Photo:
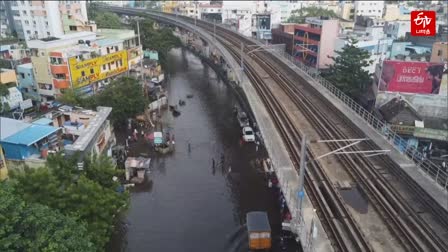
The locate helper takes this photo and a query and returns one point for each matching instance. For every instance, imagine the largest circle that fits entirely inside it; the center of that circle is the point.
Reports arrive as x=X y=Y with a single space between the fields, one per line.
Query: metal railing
x=434 y=171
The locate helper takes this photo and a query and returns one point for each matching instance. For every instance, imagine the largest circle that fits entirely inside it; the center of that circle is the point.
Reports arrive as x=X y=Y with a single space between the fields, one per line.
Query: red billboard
x=411 y=77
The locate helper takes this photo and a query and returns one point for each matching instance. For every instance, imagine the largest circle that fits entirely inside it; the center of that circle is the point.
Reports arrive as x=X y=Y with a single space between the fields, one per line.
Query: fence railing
x=433 y=170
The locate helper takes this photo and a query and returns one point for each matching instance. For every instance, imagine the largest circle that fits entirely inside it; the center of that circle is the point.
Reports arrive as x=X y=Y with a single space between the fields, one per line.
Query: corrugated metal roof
x=9 y=127
x=30 y=134
x=43 y=121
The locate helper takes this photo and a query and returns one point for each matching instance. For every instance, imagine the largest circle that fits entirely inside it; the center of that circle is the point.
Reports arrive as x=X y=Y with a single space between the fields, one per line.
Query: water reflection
x=191 y=204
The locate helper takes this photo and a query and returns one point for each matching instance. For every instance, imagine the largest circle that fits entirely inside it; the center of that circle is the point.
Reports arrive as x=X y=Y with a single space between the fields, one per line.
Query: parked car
x=248 y=134
x=243 y=120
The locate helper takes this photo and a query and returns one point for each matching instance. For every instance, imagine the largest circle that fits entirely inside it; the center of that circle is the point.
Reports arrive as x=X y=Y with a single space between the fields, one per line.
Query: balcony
x=59 y=69
x=47 y=92
x=61 y=83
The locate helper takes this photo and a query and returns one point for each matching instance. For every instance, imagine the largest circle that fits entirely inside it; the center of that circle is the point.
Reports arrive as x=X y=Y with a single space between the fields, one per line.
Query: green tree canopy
x=28 y=226
x=347 y=71
x=102 y=18
x=161 y=40
x=125 y=96
x=299 y=15
x=79 y=194
x=4 y=91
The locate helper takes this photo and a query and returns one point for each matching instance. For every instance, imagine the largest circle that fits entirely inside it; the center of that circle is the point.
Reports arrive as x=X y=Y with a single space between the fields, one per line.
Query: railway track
x=408 y=227
x=413 y=233
x=338 y=222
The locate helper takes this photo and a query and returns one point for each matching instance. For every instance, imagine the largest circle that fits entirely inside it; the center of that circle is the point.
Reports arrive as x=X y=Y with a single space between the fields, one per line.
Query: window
x=24 y=12
x=92 y=71
x=22 y=75
x=28 y=32
x=72 y=28
x=116 y=64
x=108 y=50
x=34 y=22
x=32 y=13
x=104 y=67
x=35 y=32
x=116 y=48
x=439 y=52
x=60 y=76
x=46 y=23
x=83 y=73
x=27 y=22
x=48 y=34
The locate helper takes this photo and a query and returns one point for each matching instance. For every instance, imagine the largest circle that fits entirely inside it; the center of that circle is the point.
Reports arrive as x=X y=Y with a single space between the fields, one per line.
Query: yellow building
x=3 y=168
x=88 y=71
x=169 y=6
x=8 y=76
x=393 y=12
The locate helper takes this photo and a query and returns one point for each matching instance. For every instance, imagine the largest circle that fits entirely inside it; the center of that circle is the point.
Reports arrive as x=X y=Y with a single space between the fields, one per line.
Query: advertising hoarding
x=411 y=77
x=87 y=71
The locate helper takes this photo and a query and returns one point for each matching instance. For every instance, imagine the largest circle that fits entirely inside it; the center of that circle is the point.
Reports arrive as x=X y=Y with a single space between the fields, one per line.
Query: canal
x=189 y=206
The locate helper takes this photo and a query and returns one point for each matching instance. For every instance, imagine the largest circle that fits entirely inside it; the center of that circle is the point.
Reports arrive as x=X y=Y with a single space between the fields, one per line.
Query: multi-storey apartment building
x=85 y=61
x=42 y=19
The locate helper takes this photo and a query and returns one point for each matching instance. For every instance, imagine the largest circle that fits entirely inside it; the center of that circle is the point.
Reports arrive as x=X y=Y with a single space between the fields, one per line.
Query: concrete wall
x=7 y=76
x=439 y=52
x=330 y=31
x=27 y=84
x=429 y=106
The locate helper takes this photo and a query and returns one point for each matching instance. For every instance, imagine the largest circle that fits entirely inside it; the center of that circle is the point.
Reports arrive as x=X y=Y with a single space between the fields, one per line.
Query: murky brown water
x=190 y=206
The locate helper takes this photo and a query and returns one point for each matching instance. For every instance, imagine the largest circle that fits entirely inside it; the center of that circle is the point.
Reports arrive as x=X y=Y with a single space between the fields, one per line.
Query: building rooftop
x=43 y=121
x=116 y=33
x=10 y=126
x=64 y=40
x=27 y=66
x=88 y=133
x=31 y=134
x=19 y=132
x=107 y=42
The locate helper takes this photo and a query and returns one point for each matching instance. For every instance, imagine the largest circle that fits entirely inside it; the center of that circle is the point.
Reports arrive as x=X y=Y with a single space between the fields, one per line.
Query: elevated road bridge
x=405 y=196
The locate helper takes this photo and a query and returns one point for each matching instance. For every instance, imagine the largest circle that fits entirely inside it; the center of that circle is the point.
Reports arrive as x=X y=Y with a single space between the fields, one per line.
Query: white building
x=374 y=9
x=372 y=41
x=396 y=29
x=13 y=99
x=41 y=19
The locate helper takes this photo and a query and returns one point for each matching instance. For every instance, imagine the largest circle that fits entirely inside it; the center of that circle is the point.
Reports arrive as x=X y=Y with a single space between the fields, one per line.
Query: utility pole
x=214 y=28
x=141 y=60
x=242 y=56
x=301 y=193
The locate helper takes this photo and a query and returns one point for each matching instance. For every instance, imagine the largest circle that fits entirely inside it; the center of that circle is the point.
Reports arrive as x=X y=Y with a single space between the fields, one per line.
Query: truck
x=259 y=230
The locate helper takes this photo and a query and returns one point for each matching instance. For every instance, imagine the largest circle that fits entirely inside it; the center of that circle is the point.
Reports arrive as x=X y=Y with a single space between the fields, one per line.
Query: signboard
x=423 y=23
x=411 y=77
x=26 y=104
x=87 y=71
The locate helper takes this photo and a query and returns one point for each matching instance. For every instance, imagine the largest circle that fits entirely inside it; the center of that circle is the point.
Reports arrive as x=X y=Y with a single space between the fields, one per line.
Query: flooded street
x=190 y=206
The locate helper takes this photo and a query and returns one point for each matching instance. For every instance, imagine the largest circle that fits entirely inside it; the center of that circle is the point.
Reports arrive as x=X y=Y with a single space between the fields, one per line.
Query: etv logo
x=423 y=23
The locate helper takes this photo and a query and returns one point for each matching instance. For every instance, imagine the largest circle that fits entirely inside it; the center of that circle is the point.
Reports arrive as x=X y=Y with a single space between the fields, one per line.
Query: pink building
x=313 y=41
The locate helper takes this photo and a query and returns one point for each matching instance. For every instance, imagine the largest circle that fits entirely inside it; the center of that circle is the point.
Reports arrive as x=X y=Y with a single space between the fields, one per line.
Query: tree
x=299 y=15
x=125 y=96
x=34 y=227
x=162 y=40
x=61 y=186
x=347 y=72
x=103 y=19
x=4 y=91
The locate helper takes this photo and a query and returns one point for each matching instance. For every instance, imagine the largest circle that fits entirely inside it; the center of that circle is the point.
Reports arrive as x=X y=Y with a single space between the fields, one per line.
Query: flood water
x=190 y=206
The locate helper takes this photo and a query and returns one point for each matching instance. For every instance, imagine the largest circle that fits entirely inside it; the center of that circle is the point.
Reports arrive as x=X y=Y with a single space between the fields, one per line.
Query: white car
x=248 y=134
